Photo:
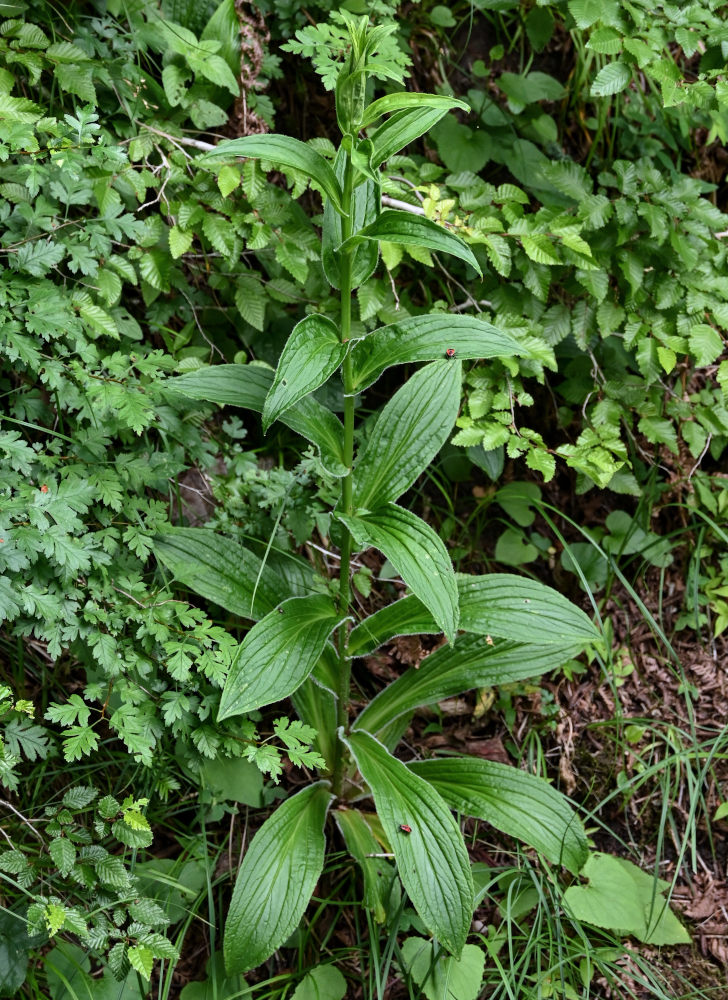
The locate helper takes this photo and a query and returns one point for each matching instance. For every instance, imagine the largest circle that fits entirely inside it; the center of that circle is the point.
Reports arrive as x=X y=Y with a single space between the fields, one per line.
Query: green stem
x=347 y=496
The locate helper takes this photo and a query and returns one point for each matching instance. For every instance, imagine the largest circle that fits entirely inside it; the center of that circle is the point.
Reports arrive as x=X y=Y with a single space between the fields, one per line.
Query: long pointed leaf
x=312 y=353
x=366 y=206
x=282 y=151
x=278 y=654
x=426 y=338
x=248 y=386
x=514 y=802
x=408 y=101
x=316 y=706
x=413 y=230
x=473 y=662
x=363 y=846
x=431 y=859
x=220 y=570
x=409 y=432
x=278 y=874
x=402 y=129
x=418 y=555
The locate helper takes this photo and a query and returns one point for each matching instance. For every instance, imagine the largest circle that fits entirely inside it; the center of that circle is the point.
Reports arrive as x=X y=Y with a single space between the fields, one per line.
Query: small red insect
x=44 y=488
x=450 y=352
x=405 y=829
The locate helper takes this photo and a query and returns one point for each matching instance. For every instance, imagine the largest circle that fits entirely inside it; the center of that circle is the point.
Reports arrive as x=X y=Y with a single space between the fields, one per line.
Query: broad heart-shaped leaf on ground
x=621 y=897
x=248 y=386
x=281 y=151
x=278 y=874
x=441 y=976
x=278 y=654
x=401 y=129
x=220 y=570
x=426 y=338
x=473 y=662
x=409 y=101
x=366 y=850
x=496 y=604
x=413 y=230
x=432 y=860
x=366 y=201
x=409 y=432
x=312 y=353
x=514 y=802
x=417 y=554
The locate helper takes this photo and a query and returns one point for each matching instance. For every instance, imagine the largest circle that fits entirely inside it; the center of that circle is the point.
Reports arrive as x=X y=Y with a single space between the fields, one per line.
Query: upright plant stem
x=347 y=486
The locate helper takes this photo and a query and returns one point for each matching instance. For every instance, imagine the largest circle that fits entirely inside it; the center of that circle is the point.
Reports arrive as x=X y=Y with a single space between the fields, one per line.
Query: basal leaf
x=409 y=432
x=413 y=230
x=248 y=386
x=366 y=851
x=426 y=338
x=400 y=130
x=366 y=206
x=431 y=857
x=282 y=151
x=514 y=802
x=312 y=353
x=417 y=553
x=412 y=101
x=472 y=663
x=278 y=654
x=220 y=570
x=276 y=879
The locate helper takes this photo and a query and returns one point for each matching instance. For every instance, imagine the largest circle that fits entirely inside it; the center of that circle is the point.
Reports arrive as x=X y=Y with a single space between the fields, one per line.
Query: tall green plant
x=497 y=629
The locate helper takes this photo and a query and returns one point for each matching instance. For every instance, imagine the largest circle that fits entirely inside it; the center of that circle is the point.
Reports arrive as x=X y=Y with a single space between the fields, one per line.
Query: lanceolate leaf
x=276 y=879
x=316 y=706
x=278 y=654
x=248 y=386
x=426 y=338
x=409 y=432
x=431 y=859
x=282 y=151
x=400 y=130
x=413 y=230
x=366 y=851
x=497 y=604
x=473 y=662
x=417 y=553
x=391 y=103
x=220 y=570
x=366 y=205
x=312 y=353
x=514 y=802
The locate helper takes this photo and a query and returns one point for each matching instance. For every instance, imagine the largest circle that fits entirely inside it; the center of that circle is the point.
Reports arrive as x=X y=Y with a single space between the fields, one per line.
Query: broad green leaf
x=312 y=353
x=497 y=604
x=418 y=555
x=441 y=976
x=325 y=982
x=611 y=79
x=282 y=151
x=706 y=344
x=220 y=570
x=366 y=851
x=474 y=662
x=426 y=338
x=276 y=879
x=400 y=130
x=63 y=854
x=365 y=209
x=413 y=230
x=514 y=802
x=409 y=432
x=391 y=103
x=278 y=654
x=248 y=386
x=621 y=897
x=432 y=861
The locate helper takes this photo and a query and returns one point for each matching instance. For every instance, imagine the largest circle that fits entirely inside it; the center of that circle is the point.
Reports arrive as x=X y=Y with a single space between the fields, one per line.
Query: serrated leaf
x=63 y=853
x=706 y=344
x=514 y=802
x=179 y=242
x=611 y=79
x=278 y=874
x=278 y=654
x=312 y=354
x=540 y=248
x=248 y=385
x=426 y=338
x=431 y=859
x=409 y=432
x=417 y=553
x=111 y=871
x=282 y=151
x=251 y=301
x=228 y=179
x=141 y=959
x=410 y=230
